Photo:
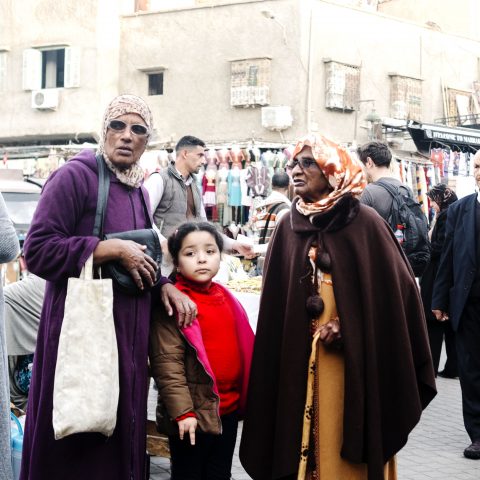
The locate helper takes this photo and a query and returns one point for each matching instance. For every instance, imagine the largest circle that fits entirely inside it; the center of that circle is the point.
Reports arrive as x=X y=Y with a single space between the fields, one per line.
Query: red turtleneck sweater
x=219 y=334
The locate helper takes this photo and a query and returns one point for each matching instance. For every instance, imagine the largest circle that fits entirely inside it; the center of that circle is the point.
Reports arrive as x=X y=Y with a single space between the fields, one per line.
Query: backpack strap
x=391 y=189
x=273 y=209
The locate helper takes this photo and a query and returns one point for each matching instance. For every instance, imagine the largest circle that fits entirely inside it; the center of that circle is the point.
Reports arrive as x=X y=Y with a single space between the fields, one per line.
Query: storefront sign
x=453 y=137
x=427 y=136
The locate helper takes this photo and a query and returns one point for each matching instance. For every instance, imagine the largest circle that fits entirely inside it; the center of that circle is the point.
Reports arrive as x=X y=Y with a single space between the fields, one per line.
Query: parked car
x=21 y=198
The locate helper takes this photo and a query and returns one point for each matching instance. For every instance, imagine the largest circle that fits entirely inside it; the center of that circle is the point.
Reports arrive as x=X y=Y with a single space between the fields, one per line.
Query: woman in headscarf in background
x=58 y=244
x=441 y=197
x=341 y=367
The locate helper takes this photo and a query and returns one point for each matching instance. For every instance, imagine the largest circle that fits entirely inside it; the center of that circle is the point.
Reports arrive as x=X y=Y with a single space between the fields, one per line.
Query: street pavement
x=434 y=450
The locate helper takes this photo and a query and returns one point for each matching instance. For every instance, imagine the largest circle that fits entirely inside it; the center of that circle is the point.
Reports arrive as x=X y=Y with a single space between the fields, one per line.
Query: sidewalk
x=434 y=450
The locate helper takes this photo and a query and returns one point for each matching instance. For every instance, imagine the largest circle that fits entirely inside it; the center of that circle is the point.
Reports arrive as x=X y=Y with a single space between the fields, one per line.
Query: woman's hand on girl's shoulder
x=188 y=425
x=175 y=300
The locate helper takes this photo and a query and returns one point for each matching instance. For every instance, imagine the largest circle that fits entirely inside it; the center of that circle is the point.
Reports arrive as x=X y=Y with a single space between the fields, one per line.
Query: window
x=461 y=106
x=250 y=82
x=342 y=86
x=405 y=98
x=155 y=83
x=3 y=71
x=51 y=68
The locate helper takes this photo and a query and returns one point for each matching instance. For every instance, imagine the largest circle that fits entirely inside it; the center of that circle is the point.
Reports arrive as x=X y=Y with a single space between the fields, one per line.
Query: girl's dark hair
x=176 y=239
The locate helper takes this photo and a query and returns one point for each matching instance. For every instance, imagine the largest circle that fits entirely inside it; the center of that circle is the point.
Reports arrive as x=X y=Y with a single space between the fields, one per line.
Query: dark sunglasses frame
x=135 y=128
x=304 y=163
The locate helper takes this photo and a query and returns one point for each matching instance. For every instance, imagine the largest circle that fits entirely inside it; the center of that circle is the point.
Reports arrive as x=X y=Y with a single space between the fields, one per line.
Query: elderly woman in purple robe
x=59 y=242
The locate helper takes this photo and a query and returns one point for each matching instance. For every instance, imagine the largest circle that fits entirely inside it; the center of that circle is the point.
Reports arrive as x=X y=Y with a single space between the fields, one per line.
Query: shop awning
x=430 y=135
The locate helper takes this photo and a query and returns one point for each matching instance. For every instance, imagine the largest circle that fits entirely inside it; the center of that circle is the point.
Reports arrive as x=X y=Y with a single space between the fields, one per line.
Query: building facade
x=262 y=71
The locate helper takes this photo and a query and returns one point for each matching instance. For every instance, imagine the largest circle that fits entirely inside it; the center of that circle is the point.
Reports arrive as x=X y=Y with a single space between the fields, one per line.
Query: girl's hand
x=188 y=425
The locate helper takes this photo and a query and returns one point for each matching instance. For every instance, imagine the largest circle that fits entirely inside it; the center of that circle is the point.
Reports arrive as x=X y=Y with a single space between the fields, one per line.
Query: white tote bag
x=85 y=392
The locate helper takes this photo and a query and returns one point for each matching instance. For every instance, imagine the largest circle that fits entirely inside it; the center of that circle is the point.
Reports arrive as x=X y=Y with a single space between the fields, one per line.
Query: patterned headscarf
x=119 y=106
x=442 y=195
x=343 y=173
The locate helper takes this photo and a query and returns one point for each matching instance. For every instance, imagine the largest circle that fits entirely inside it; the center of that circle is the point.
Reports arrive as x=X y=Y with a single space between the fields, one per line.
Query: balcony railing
x=469 y=121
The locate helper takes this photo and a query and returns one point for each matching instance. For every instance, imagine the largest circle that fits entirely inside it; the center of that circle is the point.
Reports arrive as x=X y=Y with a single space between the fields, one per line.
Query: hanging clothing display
x=234 y=189
x=209 y=190
x=258 y=179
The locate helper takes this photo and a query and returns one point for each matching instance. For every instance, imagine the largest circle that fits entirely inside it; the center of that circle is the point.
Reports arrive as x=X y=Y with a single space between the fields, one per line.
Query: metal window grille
x=250 y=82
x=405 y=98
x=342 y=86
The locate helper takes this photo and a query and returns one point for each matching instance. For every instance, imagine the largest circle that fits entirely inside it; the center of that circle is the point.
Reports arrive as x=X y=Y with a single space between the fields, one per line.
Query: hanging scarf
x=343 y=173
x=121 y=105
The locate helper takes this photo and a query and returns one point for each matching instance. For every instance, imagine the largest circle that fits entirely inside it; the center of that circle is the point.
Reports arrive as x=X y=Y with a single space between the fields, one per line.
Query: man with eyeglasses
x=175 y=197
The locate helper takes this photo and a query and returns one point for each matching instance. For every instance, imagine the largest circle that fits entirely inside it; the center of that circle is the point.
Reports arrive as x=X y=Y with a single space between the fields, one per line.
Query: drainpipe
x=310 y=72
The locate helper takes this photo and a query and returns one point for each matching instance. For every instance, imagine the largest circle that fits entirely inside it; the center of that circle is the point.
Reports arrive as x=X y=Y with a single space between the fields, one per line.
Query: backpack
x=407 y=212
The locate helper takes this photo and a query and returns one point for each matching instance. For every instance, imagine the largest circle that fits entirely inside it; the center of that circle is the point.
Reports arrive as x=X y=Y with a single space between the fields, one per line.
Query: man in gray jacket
x=175 y=197
x=376 y=158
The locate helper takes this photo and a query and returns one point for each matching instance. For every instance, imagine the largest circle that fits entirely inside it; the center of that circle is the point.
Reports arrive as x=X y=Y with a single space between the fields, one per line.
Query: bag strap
x=391 y=189
x=103 y=189
x=102 y=198
x=270 y=212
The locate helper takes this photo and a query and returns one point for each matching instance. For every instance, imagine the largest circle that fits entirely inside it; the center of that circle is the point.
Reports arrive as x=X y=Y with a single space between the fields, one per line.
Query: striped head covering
x=344 y=173
x=119 y=106
x=442 y=195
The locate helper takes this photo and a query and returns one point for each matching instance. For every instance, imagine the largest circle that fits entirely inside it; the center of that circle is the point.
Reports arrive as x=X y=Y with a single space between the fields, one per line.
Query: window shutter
x=3 y=71
x=32 y=69
x=72 y=67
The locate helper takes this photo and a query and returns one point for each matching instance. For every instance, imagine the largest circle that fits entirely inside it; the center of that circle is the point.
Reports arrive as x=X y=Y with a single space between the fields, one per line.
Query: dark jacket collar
x=334 y=219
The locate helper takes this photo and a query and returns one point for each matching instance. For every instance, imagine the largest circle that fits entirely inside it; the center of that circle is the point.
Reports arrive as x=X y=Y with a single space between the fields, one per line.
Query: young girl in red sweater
x=201 y=371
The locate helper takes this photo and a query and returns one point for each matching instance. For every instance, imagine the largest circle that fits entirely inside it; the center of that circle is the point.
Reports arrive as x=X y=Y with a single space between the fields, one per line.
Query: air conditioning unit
x=46 y=99
x=276 y=118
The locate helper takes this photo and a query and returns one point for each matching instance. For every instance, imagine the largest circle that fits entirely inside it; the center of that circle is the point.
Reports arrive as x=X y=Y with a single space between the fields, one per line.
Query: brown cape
x=389 y=376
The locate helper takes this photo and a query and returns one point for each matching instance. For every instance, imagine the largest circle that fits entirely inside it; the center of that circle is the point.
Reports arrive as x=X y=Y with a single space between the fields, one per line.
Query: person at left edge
x=9 y=248
x=58 y=244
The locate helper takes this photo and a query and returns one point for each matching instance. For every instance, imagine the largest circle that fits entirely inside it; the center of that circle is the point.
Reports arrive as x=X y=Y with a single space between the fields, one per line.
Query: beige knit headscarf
x=119 y=106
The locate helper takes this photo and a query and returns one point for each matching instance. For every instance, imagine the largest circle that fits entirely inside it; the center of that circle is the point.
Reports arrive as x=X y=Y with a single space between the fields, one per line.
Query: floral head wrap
x=442 y=195
x=119 y=106
x=343 y=173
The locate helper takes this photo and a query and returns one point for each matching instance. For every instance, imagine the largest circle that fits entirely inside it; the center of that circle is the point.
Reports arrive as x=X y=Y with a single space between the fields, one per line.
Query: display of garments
x=199 y=178
x=222 y=185
x=211 y=158
x=209 y=188
x=279 y=162
x=422 y=190
x=267 y=158
x=234 y=189
x=224 y=156
x=237 y=157
x=163 y=159
x=246 y=197
x=258 y=179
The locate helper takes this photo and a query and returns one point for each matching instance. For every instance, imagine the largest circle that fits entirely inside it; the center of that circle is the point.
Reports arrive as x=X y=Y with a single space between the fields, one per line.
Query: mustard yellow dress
x=323 y=418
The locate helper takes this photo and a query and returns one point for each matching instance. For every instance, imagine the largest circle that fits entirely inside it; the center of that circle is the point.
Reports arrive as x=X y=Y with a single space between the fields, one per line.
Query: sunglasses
x=305 y=163
x=136 y=129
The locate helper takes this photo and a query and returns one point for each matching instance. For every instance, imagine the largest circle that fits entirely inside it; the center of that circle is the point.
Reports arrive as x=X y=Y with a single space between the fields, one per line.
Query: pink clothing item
x=245 y=337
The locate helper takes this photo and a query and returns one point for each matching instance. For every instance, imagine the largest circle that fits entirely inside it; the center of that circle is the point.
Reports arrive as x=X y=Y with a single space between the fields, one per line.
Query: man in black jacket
x=456 y=295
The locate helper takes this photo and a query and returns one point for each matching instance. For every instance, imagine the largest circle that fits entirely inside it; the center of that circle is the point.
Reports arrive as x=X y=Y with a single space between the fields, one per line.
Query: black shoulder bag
x=148 y=236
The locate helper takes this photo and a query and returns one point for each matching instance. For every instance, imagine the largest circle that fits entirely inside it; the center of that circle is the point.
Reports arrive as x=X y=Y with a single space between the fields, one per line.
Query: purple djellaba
x=58 y=244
